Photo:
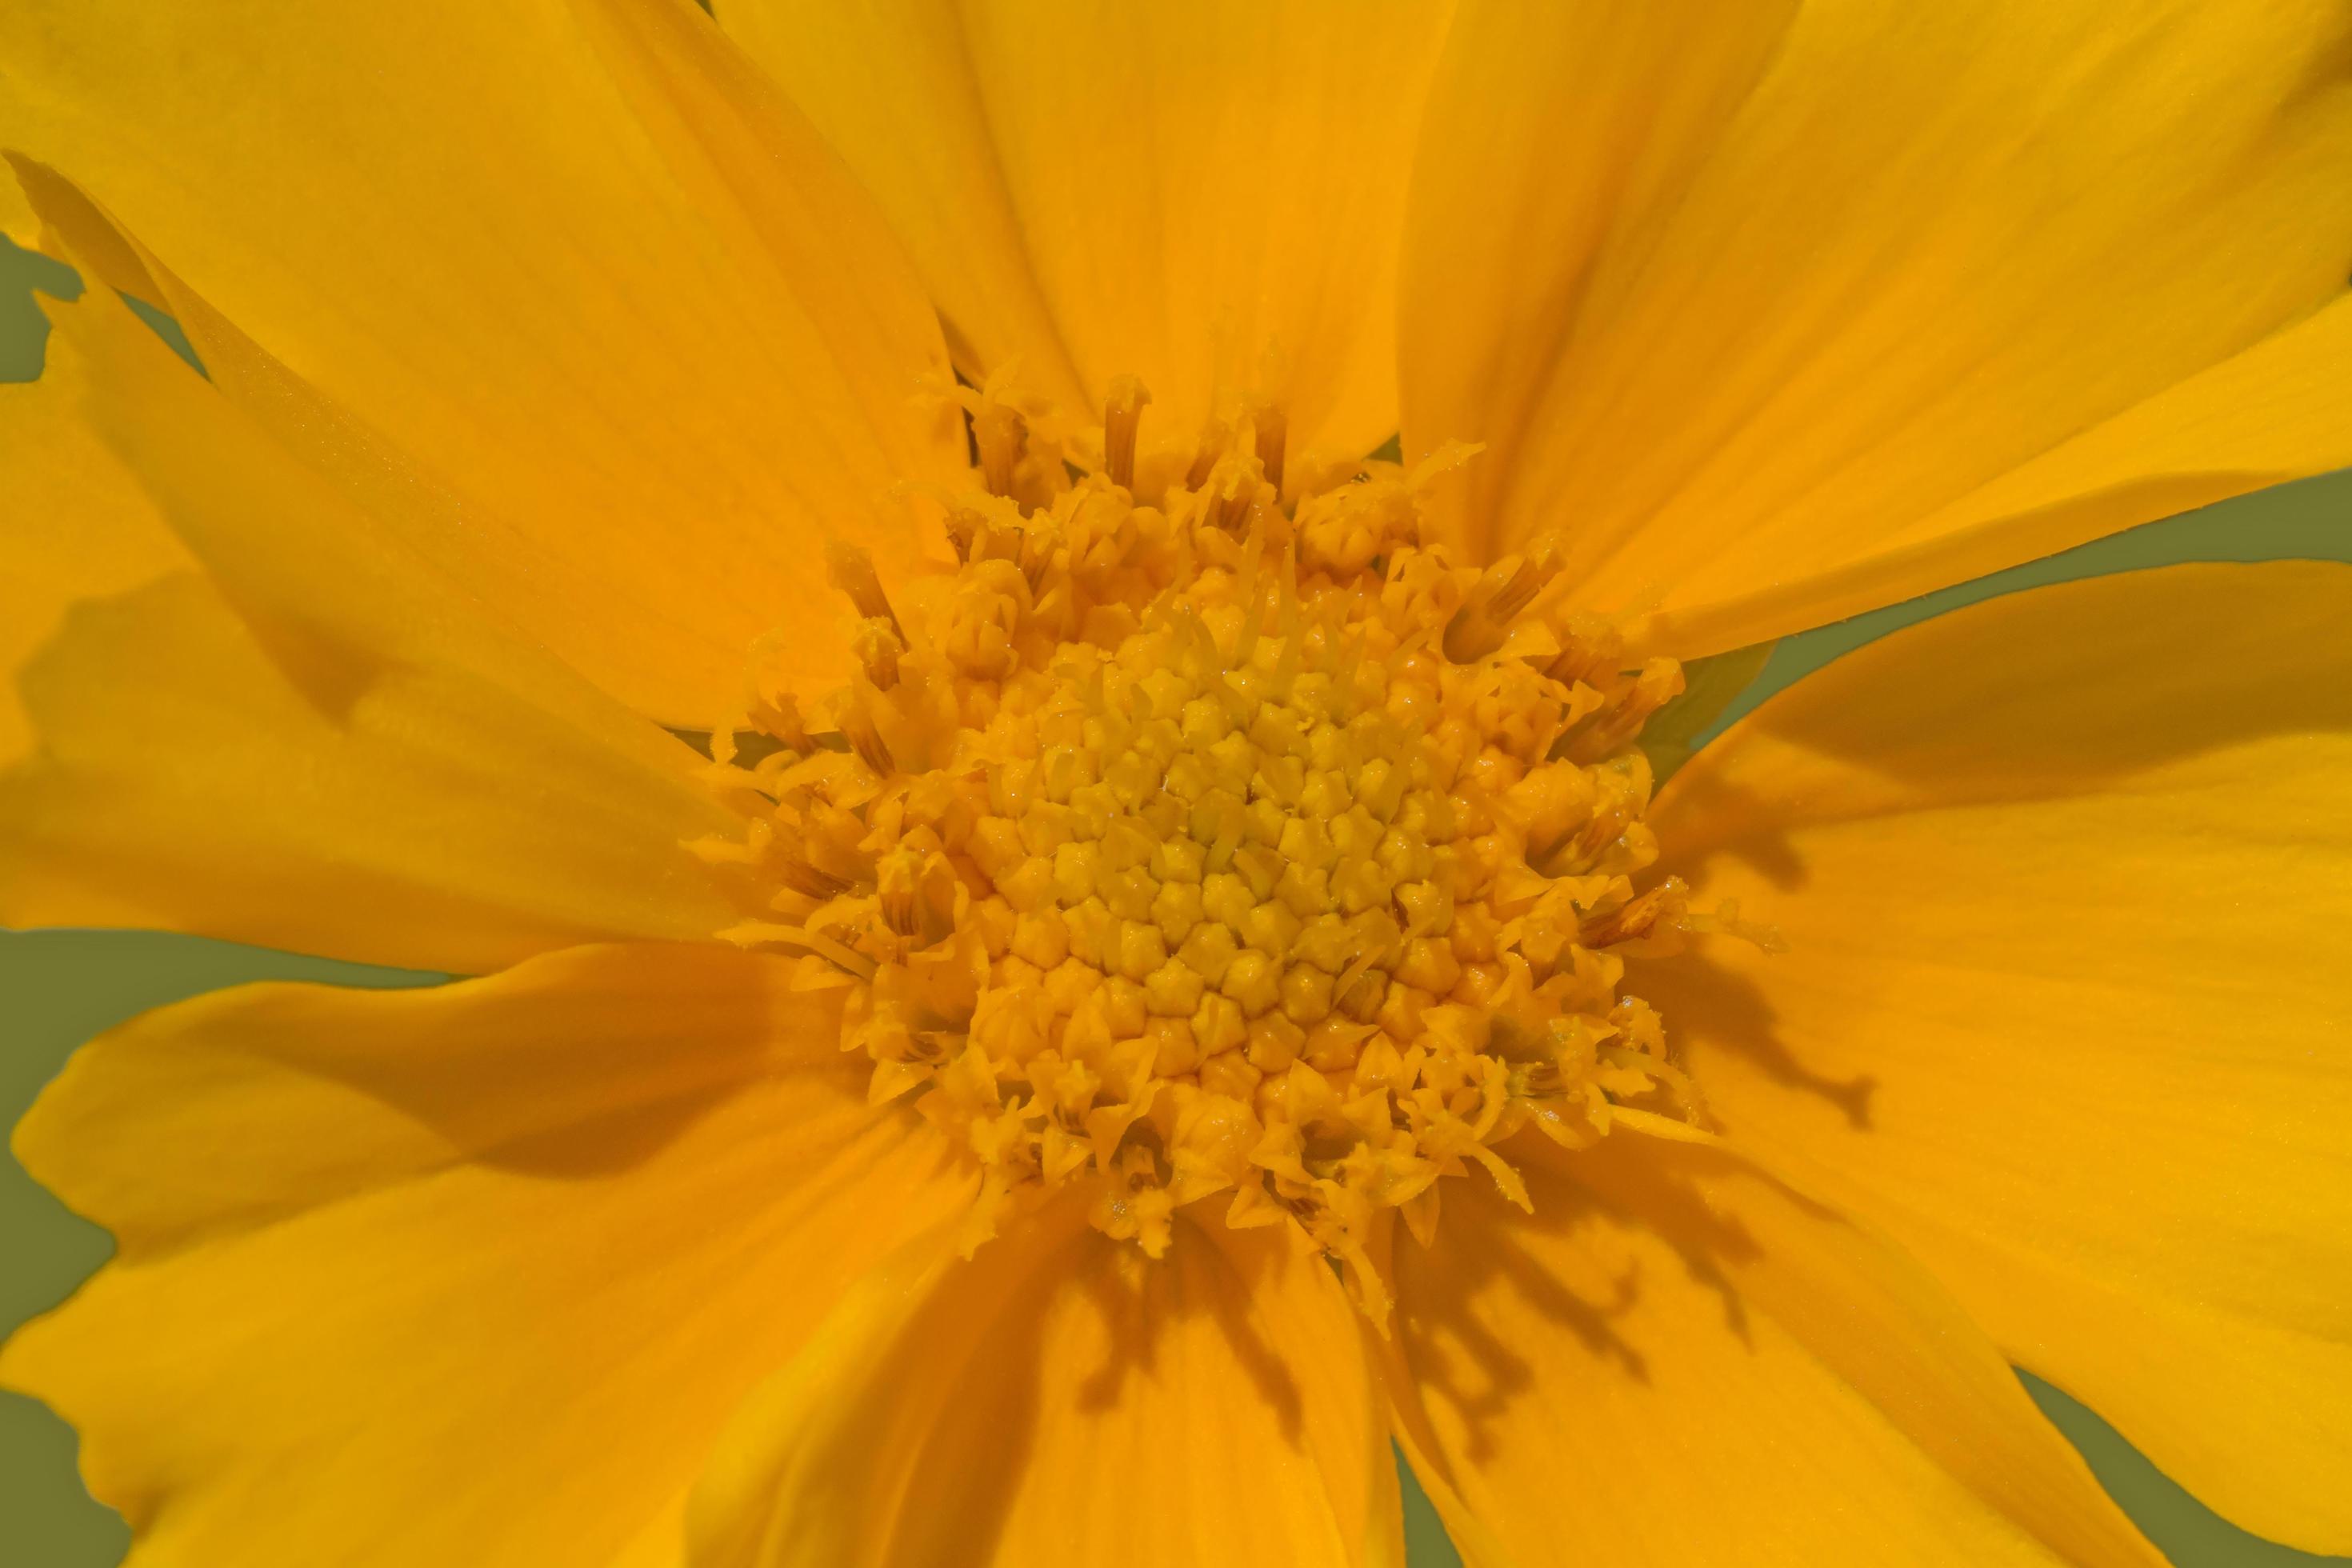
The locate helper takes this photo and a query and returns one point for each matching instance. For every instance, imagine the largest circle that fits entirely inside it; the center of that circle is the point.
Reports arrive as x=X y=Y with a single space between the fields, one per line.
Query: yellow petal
x=2064 y=877
x=1061 y=1399
x=316 y=746
x=1675 y=1358
x=468 y=1275
x=2269 y=414
x=891 y=86
x=1170 y=192
x=73 y=525
x=1747 y=297
x=596 y=275
x=17 y=217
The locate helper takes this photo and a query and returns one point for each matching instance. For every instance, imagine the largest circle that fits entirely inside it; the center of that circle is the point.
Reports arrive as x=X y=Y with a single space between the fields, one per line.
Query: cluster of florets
x=1226 y=847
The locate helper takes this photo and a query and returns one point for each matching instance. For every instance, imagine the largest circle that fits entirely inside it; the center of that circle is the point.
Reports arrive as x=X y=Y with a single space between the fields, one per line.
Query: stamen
x=878 y=644
x=965 y=526
x=760 y=933
x=793 y=868
x=1484 y=622
x=852 y=570
x=857 y=727
x=779 y=718
x=894 y=885
x=1639 y=918
x=1214 y=437
x=1000 y=433
x=1122 y=416
x=1273 y=428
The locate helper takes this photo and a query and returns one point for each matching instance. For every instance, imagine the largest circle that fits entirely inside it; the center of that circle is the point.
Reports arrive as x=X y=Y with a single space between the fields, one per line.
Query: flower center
x=1221 y=849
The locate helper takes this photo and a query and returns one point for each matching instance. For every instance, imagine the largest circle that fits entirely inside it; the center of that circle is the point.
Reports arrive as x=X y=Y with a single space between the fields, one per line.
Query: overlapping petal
x=1060 y=1399
x=2261 y=417
x=2063 y=878
x=1676 y=1359
x=576 y=255
x=1165 y=191
x=1745 y=297
x=472 y=1274
x=318 y=743
x=74 y=525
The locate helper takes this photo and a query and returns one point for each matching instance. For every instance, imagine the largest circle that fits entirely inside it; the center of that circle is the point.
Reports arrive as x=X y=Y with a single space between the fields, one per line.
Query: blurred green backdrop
x=58 y=988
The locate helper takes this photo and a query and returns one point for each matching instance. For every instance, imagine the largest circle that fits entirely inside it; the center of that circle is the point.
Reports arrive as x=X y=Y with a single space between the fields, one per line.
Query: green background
x=58 y=988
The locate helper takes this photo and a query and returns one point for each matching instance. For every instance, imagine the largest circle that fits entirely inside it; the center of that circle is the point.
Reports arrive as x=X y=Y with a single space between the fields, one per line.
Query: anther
x=935 y=902
x=1272 y=427
x=1532 y=575
x=964 y=529
x=877 y=646
x=1483 y=621
x=1630 y=702
x=1640 y=918
x=779 y=718
x=1232 y=506
x=857 y=729
x=985 y=528
x=1592 y=651
x=1000 y=433
x=917 y=893
x=1122 y=416
x=757 y=933
x=852 y=570
x=894 y=888
x=1213 y=437
x=798 y=872
x=1035 y=554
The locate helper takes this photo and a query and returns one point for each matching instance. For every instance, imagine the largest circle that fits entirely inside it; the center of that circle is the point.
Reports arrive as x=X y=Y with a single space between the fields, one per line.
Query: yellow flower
x=1279 y=1020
